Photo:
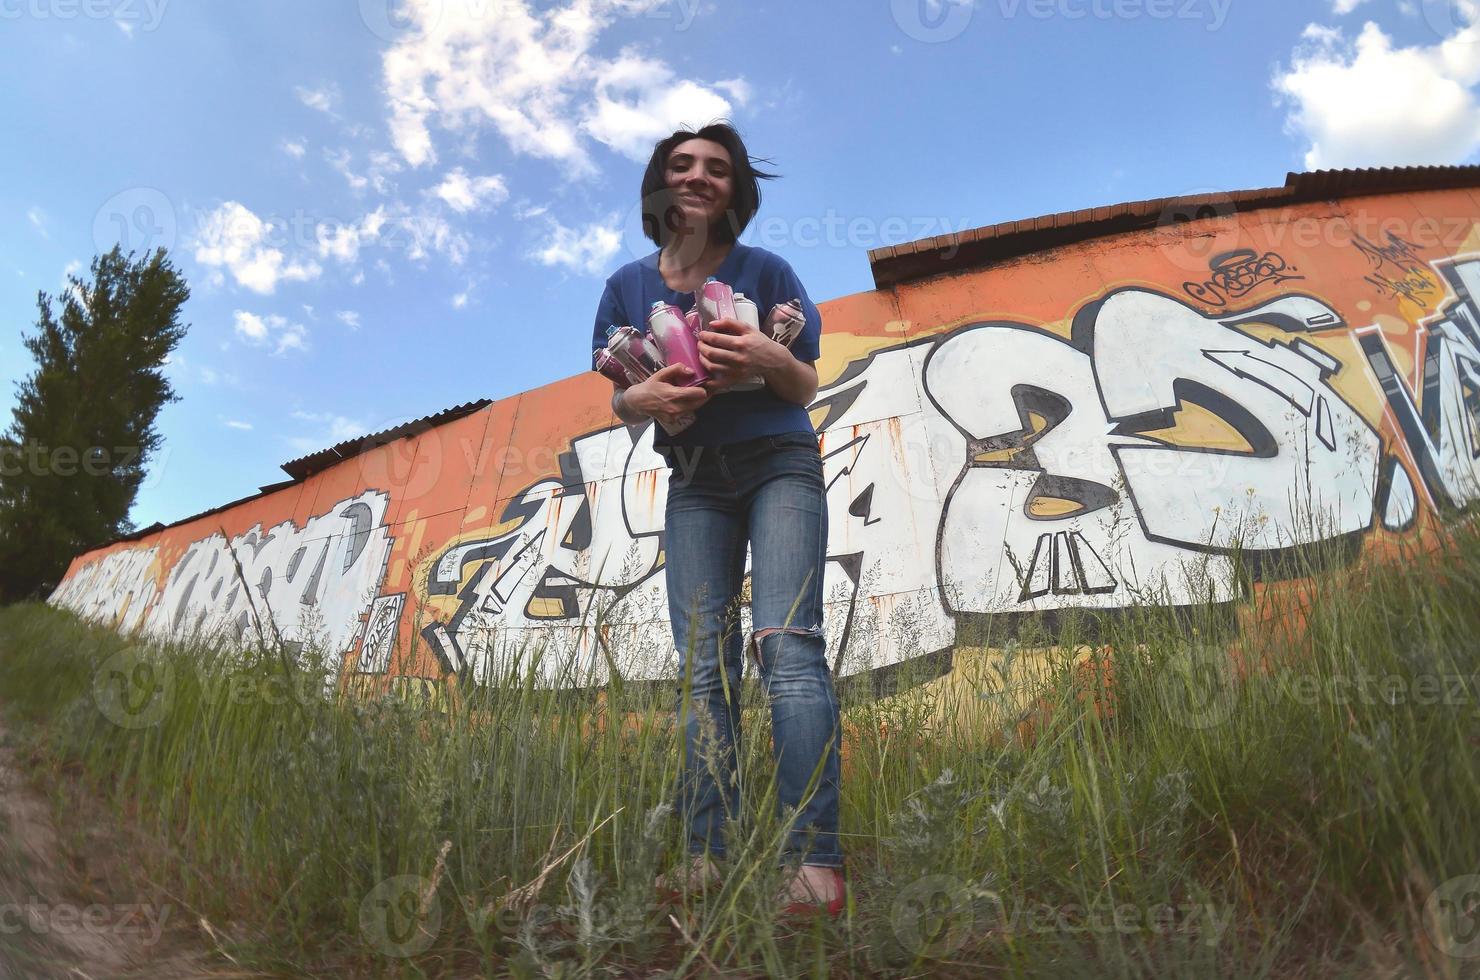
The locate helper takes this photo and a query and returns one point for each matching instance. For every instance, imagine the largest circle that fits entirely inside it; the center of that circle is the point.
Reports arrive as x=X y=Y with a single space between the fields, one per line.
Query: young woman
x=746 y=469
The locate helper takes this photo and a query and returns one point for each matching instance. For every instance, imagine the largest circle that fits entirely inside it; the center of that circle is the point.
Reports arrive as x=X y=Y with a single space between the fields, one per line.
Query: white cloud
x=67 y=287
x=293 y=337
x=339 y=160
x=638 y=101
x=127 y=26
x=429 y=233
x=460 y=300
x=235 y=424
x=270 y=330
x=1372 y=103
x=522 y=212
x=420 y=233
x=329 y=430
x=349 y=318
x=588 y=249
x=533 y=76
x=381 y=166
x=251 y=327
x=738 y=88
x=295 y=148
x=344 y=242
x=37 y=217
x=320 y=99
x=236 y=240
x=1343 y=7
x=464 y=193
x=205 y=374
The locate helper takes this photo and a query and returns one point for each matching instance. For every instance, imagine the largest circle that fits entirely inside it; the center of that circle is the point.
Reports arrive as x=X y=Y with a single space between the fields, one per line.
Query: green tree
x=83 y=429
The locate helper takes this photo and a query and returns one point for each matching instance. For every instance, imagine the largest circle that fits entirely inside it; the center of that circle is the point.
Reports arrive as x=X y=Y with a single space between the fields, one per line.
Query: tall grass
x=1279 y=791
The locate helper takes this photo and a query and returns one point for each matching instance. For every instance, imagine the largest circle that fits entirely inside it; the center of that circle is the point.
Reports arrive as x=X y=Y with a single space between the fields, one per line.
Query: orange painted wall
x=437 y=553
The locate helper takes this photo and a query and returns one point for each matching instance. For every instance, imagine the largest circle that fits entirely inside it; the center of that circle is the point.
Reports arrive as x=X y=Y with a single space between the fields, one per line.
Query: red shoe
x=695 y=874
x=816 y=907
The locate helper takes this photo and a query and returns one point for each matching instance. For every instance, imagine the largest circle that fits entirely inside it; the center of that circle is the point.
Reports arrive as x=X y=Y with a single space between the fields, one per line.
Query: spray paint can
x=668 y=327
x=612 y=368
x=785 y=322
x=715 y=301
x=749 y=314
x=637 y=354
x=684 y=421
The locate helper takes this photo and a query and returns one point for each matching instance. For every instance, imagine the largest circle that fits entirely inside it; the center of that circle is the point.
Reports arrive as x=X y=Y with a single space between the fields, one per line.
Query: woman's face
x=699 y=174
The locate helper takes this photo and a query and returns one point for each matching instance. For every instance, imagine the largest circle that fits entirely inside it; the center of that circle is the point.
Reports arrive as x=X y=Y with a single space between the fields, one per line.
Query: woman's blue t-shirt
x=731 y=416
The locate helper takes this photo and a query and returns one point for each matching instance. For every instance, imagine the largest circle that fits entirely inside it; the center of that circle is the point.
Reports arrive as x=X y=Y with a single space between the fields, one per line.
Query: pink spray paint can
x=630 y=358
x=714 y=300
x=667 y=326
x=640 y=357
x=610 y=367
x=785 y=322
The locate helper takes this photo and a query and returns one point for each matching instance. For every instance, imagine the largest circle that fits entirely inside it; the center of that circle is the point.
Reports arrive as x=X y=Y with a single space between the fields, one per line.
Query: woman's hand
x=662 y=398
x=731 y=351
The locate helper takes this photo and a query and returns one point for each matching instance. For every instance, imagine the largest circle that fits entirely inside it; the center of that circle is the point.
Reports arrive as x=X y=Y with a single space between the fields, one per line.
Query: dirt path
x=57 y=918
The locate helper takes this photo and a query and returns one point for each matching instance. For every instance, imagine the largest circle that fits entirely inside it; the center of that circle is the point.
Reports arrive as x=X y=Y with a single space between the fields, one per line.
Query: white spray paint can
x=749 y=314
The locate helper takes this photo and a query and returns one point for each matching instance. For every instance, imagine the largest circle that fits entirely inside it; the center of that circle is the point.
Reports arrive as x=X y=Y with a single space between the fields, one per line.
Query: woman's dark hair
x=658 y=210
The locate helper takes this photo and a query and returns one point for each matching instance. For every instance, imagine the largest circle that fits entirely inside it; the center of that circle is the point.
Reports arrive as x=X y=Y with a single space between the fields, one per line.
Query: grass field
x=1185 y=798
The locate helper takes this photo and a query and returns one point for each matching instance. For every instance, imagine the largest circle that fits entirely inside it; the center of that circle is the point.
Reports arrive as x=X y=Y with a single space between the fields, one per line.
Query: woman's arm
x=793 y=381
x=623 y=410
x=661 y=396
x=729 y=350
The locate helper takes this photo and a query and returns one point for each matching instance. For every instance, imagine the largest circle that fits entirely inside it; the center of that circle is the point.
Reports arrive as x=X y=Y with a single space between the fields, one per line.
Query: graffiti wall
x=1110 y=423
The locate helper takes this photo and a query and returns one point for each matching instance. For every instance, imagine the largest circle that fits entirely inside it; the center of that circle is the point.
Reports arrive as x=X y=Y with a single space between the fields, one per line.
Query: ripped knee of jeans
x=755 y=638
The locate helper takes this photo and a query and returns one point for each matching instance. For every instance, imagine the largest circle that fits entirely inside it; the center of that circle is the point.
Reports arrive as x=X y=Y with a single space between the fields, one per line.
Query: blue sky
x=387 y=208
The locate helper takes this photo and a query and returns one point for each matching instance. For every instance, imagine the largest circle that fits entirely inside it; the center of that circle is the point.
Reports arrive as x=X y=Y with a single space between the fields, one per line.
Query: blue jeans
x=770 y=491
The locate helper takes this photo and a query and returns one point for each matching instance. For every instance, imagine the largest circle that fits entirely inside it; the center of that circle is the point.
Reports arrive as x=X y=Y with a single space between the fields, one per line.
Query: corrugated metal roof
x=964 y=250
x=305 y=466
